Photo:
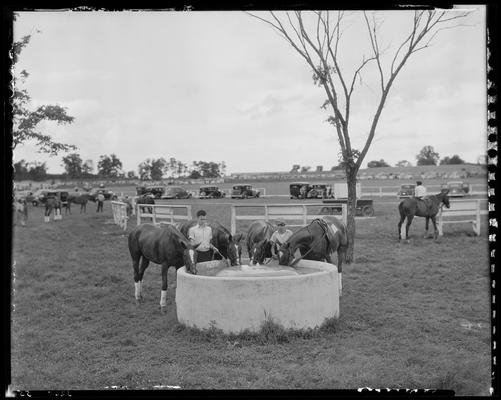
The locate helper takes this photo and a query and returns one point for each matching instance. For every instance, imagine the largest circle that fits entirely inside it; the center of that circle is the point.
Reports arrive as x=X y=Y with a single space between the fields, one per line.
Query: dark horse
x=81 y=199
x=227 y=244
x=317 y=241
x=52 y=203
x=258 y=241
x=411 y=207
x=146 y=200
x=165 y=246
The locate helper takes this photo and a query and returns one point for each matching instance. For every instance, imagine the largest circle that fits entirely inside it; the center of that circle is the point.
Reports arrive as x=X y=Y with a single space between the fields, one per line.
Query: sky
x=224 y=86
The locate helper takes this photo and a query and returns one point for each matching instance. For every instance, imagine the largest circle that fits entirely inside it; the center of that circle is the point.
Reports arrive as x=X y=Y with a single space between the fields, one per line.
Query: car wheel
x=35 y=203
x=203 y=194
x=368 y=211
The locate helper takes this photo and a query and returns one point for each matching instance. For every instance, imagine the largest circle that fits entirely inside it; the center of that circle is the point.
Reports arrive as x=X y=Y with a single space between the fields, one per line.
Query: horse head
x=259 y=251
x=285 y=254
x=235 y=249
x=445 y=198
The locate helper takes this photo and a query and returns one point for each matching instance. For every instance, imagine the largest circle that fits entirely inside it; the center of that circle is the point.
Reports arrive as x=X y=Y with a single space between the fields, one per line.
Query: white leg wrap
x=137 y=287
x=163 y=298
x=340 y=283
x=47 y=219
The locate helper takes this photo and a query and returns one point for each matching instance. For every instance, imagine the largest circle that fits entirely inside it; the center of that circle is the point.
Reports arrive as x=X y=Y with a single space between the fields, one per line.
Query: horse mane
x=178 y=234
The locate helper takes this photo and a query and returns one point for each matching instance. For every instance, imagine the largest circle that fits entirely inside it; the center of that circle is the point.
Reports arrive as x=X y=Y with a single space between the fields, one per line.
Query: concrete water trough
x=237 y=298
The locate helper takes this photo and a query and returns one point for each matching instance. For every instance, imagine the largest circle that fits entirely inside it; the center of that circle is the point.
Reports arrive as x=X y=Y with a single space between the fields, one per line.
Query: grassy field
x=413 y=315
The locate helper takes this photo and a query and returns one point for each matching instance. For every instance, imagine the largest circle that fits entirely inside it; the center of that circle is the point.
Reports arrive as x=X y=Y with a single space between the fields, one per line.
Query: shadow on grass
x=270 y=332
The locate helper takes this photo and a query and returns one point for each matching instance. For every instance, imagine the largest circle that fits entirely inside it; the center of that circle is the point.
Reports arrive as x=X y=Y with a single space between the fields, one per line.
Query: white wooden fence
x=161 y=214
x=287 y=212
x=120 y=213
x=461 y=208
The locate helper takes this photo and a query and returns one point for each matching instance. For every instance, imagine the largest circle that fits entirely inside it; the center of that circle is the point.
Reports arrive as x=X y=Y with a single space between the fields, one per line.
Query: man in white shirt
x=420 y=190
x=200 y=237
x=279 y=237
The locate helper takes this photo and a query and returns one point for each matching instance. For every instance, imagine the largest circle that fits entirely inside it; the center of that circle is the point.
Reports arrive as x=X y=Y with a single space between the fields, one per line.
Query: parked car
x=27 y=195
x=299 y=190
x=210 y=192
x=43 y=195
x=457 y=188
x=175 y=192
x=244 y=192
x=319 y=191
x=406 y=190
x=305 y=190
x=108 y=194
x=155 y=191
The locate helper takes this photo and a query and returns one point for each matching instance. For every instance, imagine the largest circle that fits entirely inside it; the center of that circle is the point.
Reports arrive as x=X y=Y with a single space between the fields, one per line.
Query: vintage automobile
x=155 y=191
x=299 y=190
x=43 y=195
x=26 y=195
x=210 y=192
x=175 y=192
x=319 y=191
x=406 y=190
x=244 y=192
x=305 y=190
x=457 y=188
x=108 y=194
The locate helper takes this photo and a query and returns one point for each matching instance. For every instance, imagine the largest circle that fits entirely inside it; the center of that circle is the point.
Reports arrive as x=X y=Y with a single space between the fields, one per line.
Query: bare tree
x=317 y=41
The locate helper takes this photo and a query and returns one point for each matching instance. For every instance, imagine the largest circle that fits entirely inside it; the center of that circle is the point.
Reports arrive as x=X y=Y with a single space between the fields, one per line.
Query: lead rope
x=295 y=261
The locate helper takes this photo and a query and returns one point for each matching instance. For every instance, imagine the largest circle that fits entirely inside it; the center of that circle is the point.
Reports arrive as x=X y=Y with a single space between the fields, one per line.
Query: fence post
x=477 y=225
x=305 y=219
x=380 y=191
x=138 y=212
x=344 y=208
x=233 y=220
x=266 y=218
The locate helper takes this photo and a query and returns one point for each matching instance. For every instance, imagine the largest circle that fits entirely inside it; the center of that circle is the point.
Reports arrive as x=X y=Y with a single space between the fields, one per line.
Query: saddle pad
x=333 y=228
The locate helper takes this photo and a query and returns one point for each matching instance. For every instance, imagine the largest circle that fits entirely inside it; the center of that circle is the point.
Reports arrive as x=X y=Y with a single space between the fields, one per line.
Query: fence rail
x=296 y=212
x=119 y=210
x=162 y=214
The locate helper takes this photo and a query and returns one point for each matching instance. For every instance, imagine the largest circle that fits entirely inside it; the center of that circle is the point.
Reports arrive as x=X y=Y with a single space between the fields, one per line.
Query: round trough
x=237 y=298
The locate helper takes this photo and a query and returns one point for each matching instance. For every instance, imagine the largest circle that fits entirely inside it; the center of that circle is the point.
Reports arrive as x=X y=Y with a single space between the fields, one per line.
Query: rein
x=325 y=229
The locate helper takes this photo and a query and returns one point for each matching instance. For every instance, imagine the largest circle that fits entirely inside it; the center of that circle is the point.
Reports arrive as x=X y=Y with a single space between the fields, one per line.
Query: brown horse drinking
x=414 y=207
x=165 y=246
x=317 y=241
x=227 y=244
x=258 y=241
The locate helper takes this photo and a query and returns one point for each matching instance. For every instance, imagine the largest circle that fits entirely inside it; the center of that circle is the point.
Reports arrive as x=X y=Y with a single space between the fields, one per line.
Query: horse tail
x=401 y=210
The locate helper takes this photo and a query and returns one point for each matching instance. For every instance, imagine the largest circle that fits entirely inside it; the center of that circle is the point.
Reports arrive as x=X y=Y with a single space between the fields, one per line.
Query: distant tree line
x=110 y=166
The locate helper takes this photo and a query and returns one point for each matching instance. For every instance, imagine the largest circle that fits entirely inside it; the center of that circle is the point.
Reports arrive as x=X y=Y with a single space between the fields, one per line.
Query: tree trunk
x=351 y=179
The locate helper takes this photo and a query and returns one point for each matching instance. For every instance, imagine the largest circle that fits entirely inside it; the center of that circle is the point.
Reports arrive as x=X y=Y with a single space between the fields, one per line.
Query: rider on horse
x=420 y=194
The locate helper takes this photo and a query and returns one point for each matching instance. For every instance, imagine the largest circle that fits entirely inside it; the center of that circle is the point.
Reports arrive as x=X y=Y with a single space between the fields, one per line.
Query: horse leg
x=402 y=218
x=409 y=221
x=163 y=293
x=434 y=220
x=138 y=276
x=426 y=227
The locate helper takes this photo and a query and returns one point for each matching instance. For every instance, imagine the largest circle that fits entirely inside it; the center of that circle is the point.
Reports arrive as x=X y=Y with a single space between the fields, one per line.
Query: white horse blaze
x=191 y=253
x=163 y=298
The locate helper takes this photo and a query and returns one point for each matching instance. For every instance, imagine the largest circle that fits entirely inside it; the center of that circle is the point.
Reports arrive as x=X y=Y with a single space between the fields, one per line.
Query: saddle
x=426 y=201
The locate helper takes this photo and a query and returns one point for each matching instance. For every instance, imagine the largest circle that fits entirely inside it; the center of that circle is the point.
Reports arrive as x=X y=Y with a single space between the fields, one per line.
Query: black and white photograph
x=251 y=199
